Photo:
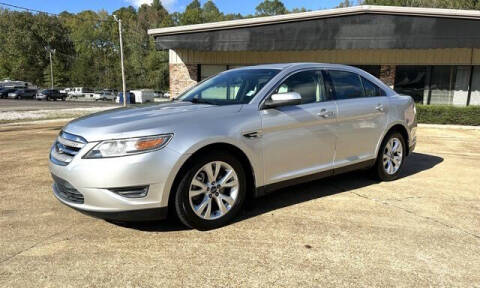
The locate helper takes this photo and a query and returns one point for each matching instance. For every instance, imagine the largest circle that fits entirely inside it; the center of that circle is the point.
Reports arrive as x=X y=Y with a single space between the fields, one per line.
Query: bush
x=440 y=114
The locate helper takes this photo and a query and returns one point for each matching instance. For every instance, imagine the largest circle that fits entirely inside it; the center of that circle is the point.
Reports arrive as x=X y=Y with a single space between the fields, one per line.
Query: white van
x=143 y=95
x=78 y=92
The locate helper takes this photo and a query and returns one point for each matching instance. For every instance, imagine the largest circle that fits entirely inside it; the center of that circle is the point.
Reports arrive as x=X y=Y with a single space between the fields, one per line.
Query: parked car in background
x=65 y=90
x=104 y=95
x=4 y=91
x=51 y=94
x=16 y=84
x=238 y=135
x=23 y=93
x=79 y=92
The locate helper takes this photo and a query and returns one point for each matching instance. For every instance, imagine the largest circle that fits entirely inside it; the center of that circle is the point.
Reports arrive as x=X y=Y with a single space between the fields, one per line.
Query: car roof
x=282 y=66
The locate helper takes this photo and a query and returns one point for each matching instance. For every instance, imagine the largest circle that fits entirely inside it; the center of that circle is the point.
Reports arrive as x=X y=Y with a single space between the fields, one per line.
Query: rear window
x=347 y=85
x=371 y=90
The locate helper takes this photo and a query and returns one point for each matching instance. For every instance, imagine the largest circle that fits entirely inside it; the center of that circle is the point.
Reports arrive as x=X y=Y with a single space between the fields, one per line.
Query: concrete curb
x=447 y=126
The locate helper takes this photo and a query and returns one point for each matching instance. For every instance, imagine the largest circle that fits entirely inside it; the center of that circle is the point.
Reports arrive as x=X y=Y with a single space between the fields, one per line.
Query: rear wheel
x=391 y=157
x=211 y=192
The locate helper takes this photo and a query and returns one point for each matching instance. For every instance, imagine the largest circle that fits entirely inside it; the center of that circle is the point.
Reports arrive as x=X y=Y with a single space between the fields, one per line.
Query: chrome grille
x=66 y=191
x=66 y=147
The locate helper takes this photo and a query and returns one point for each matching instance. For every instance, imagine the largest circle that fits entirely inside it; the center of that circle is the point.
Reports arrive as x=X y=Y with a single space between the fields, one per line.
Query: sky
x=226 y=6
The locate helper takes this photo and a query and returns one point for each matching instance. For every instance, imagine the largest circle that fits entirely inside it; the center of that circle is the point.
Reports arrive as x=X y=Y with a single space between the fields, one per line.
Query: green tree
x=345 y=3
x=192 y=14
x=22 y=51
x=210 y=12
x=298 y=10
x=457 y=4
x=270 y=7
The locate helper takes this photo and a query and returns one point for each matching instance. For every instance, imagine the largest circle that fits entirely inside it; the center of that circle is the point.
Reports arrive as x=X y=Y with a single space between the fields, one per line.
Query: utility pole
x=124 y=86
x=50 y=51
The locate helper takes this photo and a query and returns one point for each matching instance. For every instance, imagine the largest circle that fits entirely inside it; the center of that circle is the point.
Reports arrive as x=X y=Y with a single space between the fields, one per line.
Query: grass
x=443 y=114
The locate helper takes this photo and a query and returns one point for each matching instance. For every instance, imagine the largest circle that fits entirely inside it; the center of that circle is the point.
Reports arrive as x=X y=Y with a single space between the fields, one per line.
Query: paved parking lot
x=421 y=230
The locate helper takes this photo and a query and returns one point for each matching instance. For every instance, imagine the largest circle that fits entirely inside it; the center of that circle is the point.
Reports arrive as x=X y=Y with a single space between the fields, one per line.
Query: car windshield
x=231 y=87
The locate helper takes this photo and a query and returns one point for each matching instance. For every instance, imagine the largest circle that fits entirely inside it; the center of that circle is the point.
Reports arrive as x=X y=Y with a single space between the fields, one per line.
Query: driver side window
x=309 y=84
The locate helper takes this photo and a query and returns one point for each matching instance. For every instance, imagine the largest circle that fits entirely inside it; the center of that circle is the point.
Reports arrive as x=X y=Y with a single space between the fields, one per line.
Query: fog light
x=131 y=192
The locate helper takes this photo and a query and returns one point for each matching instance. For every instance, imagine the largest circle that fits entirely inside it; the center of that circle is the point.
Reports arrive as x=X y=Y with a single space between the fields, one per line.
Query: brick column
x=182 y=76
x=387 y=74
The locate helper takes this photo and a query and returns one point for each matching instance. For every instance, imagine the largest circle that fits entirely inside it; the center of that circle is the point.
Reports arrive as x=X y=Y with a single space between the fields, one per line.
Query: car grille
x=65 y=148
x=66 y=191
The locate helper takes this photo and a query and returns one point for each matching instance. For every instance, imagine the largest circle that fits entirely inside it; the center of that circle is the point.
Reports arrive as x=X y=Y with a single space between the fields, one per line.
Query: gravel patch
x=49 y=113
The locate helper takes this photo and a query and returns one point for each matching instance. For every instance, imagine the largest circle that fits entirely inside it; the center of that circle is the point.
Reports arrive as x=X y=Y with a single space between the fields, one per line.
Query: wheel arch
x=400 y=128
x=217 y=146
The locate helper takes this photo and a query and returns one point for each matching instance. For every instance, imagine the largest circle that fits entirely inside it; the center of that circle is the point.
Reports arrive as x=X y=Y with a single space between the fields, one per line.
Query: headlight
x=130 y=146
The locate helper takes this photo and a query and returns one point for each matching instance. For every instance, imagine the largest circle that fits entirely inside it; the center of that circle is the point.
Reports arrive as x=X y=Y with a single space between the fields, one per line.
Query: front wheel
x=211 y=191
x=391 y=157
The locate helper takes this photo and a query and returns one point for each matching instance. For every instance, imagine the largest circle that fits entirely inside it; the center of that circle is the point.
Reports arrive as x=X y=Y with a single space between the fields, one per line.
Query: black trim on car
x=143 y=215
x=267 y=189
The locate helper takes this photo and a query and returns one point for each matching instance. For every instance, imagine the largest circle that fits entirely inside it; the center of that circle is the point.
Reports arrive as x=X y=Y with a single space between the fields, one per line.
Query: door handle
x=379 y=108
x=253 y=134
x=325 y=114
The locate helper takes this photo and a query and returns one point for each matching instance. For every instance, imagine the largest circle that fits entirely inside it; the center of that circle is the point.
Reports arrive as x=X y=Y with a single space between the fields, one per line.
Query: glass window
x=223 y=91
x=231 y=87
x=411 y=80
x=460 y=92
x=441 y=84
x=347 y=85
x=309 y=84
x=371 y=90
x=475 y=93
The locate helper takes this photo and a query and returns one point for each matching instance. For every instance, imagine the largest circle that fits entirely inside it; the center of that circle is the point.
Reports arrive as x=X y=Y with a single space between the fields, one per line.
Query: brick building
x=431 y=54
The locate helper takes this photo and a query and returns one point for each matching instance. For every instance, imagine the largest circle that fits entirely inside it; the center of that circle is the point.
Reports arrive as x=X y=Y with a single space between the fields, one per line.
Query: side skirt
x=267 y=189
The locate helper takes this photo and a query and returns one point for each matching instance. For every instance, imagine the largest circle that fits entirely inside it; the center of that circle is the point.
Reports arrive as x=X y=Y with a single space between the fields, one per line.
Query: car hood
x=142 y=121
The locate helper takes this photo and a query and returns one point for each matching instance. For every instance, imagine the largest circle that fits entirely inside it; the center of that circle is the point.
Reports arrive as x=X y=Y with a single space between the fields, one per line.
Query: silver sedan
x=236 y=136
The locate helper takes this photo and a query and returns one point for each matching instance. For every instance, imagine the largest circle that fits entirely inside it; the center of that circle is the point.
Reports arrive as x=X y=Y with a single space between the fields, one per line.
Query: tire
x=232 y=198
x=390 y=161
x=19 y=97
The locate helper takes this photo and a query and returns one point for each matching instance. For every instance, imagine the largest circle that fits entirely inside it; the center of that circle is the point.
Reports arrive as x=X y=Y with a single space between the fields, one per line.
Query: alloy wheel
x=392 y=156
x=214 y=190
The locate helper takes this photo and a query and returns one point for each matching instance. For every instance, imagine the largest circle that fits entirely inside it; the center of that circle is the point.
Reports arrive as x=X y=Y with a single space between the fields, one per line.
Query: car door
x=299 y=140
x=361 y=118
x=31 y=93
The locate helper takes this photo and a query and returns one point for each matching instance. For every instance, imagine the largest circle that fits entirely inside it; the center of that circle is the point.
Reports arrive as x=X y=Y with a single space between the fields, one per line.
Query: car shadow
x=416 y=163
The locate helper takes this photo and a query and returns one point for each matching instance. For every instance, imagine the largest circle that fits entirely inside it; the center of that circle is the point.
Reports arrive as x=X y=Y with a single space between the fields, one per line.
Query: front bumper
x=140 y=215
x=96 y=179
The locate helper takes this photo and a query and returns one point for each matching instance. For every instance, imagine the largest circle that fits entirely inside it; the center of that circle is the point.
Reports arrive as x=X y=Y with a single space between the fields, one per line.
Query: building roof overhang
x=358 y=27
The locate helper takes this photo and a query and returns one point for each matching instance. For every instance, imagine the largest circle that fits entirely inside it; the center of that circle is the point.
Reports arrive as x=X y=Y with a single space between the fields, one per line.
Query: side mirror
x=283 y=99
